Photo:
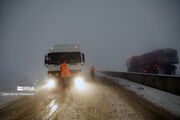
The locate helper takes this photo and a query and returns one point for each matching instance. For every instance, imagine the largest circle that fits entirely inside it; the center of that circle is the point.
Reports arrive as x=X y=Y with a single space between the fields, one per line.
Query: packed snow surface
x=165 y=100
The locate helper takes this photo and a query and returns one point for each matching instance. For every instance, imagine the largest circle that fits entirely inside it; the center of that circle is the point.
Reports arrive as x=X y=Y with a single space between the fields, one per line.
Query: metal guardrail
x=162 y=82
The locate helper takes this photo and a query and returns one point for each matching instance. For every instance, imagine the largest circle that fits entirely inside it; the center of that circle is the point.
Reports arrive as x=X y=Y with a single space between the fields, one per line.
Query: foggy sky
x=108 y=31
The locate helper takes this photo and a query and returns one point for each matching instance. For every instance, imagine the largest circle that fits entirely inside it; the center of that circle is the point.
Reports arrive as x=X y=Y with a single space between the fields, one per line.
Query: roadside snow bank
x=165 y=100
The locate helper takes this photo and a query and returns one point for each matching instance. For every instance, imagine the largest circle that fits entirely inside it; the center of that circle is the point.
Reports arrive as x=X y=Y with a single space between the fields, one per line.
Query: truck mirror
x=83 y=58
x=46 y=60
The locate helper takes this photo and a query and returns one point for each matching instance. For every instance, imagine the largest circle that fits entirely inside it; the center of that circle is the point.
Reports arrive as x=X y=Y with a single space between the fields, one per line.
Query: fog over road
x=94 y=100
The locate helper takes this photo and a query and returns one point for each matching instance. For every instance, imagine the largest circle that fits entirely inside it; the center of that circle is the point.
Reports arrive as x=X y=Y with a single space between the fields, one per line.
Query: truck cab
x=70 y=53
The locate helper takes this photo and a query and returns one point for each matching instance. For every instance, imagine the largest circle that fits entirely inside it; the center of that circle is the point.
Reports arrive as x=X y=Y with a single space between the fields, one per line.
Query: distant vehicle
x=160 y=61
x=64 y=52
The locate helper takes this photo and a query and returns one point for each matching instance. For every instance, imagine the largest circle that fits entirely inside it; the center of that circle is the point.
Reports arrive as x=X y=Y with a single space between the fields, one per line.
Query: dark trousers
x=92 y=75
x=65 y=81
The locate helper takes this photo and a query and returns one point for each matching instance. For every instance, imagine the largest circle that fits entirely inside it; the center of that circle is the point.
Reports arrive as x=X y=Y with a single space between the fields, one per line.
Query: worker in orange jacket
x=92 y=72
x=65 y=73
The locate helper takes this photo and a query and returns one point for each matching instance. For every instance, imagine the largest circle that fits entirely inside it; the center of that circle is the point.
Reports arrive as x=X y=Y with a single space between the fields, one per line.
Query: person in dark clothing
x=92 y=72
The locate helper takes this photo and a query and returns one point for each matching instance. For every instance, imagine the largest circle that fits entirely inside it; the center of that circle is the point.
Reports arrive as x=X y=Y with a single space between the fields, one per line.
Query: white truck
x=70 y=53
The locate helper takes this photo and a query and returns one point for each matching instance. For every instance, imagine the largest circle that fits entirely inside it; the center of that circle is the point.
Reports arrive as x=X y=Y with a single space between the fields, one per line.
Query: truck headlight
x=50 y=83
x=79 y=82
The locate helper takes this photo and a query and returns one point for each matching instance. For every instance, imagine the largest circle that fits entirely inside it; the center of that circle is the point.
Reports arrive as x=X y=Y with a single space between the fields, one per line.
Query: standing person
x=65 y=73
x=92 y=72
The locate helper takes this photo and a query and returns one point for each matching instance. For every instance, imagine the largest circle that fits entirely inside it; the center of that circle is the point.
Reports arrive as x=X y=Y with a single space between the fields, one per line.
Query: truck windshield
x=60 y=57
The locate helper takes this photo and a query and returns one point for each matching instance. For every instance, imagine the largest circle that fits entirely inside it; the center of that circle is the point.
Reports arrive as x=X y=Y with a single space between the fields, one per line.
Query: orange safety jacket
x=92 y=69
x=64 y=71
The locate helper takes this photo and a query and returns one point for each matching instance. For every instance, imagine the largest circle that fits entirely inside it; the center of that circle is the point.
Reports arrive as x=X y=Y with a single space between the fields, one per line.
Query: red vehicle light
x=130 y=57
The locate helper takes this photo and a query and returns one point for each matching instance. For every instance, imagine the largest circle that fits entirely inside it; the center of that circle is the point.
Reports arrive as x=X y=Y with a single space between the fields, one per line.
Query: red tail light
x=130 y=57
